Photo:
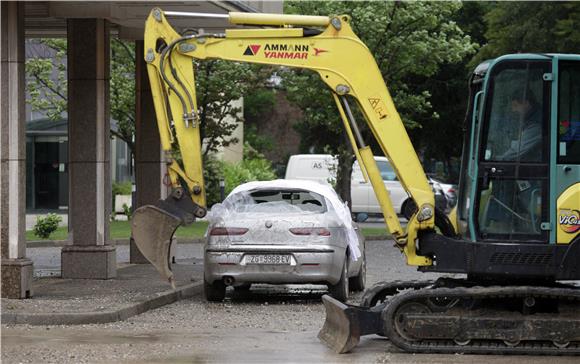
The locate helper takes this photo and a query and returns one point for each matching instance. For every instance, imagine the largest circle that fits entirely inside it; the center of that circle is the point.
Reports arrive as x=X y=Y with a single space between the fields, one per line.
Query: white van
x=313 y=167
x=362 y=193
x=322 y=168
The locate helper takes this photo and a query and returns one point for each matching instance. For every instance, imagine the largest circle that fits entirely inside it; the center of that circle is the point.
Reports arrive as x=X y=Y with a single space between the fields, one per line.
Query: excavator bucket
x=152 y=230
x=345 y=324
x=153 y=226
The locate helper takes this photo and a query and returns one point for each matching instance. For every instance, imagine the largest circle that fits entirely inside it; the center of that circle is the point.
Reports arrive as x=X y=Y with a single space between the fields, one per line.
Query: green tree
x=258 y=104
x=410 y=41
x=531 y=26
x=46 y=77
x=440 y=139
x=47 y=83
x=122 y=91
x=218 y=83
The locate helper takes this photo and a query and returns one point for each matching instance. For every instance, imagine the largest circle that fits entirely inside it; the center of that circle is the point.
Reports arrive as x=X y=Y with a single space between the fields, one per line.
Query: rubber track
x=478 y=346
x=384 y=289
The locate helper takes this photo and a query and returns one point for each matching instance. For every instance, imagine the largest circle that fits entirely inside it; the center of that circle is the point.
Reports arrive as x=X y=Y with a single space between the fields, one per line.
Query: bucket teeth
x=152 y=231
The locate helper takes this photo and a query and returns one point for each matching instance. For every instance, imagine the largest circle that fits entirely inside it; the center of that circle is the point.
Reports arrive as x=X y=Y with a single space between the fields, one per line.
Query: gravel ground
x=270 y=324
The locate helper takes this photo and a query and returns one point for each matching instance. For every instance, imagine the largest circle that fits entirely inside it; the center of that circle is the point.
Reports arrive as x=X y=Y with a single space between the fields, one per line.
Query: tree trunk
x=344 y=171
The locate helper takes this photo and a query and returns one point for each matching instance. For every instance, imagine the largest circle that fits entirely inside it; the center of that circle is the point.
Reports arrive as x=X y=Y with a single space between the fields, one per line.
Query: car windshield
x=277 y=201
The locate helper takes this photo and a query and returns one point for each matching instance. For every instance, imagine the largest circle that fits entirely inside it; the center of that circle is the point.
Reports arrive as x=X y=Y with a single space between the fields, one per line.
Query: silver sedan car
x=283 y=232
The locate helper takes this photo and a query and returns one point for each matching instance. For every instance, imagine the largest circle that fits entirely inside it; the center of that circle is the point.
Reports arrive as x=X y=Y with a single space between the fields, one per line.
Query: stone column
x=149 y=168
x=90 y=255
x=16 y=268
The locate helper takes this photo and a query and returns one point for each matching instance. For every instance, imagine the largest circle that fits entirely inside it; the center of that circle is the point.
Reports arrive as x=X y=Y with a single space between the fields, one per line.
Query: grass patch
x=122 y=230
x=374 y=231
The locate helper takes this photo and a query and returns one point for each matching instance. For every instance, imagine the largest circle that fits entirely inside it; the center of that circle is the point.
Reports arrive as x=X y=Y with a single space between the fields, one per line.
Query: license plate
x=274 y=259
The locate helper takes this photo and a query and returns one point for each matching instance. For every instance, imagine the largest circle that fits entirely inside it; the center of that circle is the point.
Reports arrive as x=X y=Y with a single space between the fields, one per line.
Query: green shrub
x=46 y=225
x=127 y=211
x=254 y=167
x=121 y=188
x=234 y=175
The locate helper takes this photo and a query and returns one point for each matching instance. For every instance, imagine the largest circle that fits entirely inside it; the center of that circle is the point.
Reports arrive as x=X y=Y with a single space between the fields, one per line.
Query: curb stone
x=101 y=317
x=115 y=242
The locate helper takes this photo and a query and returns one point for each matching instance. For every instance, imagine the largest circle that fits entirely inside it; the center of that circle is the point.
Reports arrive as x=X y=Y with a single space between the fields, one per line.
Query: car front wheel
x=340 y=290
x=214 y=292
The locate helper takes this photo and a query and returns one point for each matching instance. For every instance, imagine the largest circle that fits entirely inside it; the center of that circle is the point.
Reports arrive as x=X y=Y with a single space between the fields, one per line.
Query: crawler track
x=381 y=292
x=486 y=320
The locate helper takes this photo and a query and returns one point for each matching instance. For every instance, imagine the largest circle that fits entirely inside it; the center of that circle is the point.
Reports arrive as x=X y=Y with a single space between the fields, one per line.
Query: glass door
x=513 y=163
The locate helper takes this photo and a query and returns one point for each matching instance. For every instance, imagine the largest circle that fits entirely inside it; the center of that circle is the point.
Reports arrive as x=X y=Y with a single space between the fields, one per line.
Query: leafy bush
x=121 y=188
x=127 y=211
x=46 y=225
x=254 y=167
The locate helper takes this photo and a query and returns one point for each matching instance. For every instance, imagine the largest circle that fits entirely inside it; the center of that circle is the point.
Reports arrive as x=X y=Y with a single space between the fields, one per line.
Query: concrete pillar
x=149 y=168
x=90 y=255
x=16 y=268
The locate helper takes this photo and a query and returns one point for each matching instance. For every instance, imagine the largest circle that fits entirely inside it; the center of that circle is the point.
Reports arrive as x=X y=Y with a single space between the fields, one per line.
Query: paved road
x=47 y=260
x=270 y=324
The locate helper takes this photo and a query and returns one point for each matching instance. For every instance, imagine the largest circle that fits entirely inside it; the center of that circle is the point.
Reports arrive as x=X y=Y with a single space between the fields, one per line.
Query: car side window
x=387 y=172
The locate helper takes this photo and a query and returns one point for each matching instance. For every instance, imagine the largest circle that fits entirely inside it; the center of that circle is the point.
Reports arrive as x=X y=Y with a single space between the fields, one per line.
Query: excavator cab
x=506 y=174
x=519 y=190
x=522 y=150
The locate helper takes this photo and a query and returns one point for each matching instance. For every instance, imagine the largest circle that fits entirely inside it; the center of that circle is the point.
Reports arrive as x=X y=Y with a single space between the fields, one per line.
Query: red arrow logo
x=317 y=51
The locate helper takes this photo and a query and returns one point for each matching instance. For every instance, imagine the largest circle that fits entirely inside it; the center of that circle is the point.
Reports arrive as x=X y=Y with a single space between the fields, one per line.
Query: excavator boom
x=333 y=51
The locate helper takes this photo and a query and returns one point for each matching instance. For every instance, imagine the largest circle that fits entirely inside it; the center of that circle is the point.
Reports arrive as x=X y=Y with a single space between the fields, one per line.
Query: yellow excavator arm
x=323 y=44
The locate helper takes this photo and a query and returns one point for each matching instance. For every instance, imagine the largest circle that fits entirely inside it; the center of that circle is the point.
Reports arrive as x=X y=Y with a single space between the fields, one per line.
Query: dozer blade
x=345 y=324
x=152 y=230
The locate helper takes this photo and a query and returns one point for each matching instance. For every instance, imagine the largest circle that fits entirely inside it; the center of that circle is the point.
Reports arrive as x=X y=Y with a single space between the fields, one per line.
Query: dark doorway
x=46 y=175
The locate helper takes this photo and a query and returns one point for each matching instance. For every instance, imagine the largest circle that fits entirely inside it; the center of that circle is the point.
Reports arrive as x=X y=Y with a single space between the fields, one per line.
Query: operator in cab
x=527 y=145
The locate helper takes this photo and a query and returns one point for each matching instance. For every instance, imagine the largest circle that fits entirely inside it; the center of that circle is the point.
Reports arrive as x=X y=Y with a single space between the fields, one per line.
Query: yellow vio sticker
x=569 y=221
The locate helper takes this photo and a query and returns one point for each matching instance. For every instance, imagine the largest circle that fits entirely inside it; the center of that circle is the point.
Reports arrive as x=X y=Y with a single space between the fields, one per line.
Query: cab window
x=569 y=113
x=516 y=129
